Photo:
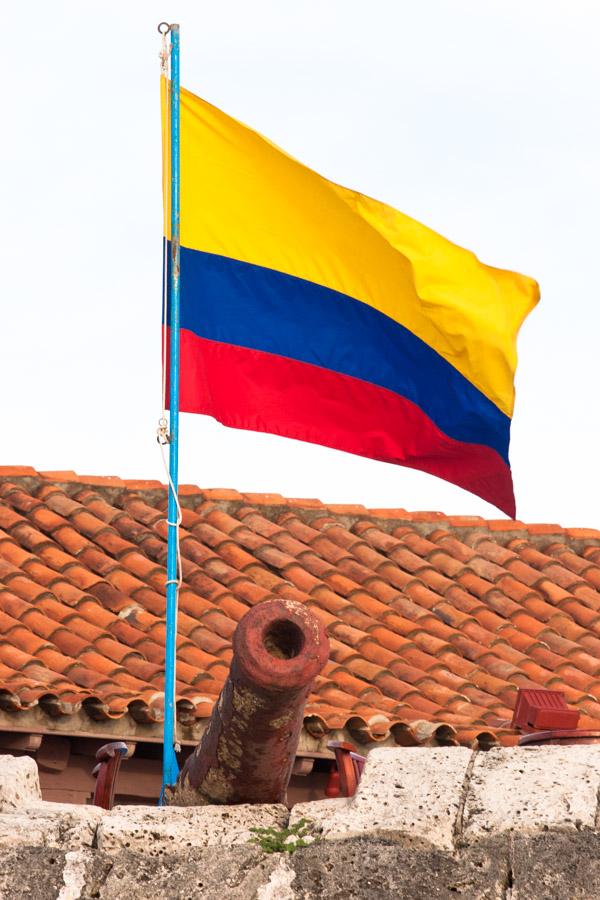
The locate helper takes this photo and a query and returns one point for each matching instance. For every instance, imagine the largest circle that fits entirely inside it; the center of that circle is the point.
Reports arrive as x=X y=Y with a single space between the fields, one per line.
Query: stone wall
x=425 y=823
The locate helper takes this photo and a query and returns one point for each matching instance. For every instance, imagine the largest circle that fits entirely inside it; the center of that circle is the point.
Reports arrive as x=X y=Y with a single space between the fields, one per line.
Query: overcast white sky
x=481 y=119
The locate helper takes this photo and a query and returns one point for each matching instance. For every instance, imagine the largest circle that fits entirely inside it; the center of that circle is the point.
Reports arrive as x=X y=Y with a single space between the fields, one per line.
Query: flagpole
x=170 y=766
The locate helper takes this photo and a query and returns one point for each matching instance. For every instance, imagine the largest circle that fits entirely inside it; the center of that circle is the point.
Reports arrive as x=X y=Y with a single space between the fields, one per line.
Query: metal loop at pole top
x=163 y=28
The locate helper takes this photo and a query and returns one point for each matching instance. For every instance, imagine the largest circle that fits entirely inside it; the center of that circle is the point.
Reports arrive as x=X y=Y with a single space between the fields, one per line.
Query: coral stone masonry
x=438 y=822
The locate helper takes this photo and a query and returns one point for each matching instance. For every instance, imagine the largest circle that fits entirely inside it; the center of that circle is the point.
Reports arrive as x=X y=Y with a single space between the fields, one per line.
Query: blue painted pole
x=170 y=766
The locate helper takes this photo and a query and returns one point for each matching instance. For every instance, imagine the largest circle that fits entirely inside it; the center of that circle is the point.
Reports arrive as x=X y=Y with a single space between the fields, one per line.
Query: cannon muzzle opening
x=283 y=639
x=247 y=751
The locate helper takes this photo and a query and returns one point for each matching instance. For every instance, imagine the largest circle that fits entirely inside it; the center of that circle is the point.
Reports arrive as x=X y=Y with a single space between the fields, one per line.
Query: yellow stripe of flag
x=242 y=197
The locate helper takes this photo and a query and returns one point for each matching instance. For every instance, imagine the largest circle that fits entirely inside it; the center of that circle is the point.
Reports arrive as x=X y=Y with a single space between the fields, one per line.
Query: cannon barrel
x=248 y=749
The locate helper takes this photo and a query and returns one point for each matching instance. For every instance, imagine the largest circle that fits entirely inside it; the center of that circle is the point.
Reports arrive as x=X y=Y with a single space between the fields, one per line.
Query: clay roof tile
x=434 y=621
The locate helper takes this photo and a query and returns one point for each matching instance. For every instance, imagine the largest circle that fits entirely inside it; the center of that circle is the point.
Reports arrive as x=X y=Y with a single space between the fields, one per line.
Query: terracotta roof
x=434 y=621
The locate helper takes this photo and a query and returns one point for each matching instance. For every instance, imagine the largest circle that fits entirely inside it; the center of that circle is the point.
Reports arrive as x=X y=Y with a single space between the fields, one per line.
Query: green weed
x=277 y=840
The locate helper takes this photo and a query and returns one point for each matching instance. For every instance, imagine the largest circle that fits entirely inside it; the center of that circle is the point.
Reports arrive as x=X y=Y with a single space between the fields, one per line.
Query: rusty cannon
x=247 y=752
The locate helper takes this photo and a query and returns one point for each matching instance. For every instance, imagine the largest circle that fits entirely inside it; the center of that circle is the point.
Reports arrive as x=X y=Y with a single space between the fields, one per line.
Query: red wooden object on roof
x=349 y=766
x=542 y=710
x=109 y=758
x=333 y=788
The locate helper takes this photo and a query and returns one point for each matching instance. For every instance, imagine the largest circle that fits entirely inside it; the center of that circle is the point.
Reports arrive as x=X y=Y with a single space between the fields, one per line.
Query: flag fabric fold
x=314 y=312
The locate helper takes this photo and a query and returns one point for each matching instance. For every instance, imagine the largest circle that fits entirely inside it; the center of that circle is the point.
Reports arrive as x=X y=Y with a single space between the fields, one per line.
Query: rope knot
x=162 y=432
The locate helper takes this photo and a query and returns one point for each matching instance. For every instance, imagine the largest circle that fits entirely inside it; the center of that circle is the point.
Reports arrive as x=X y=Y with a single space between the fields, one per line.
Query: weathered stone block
x=31 y=873
x=527 y=790
x=371 y=869
x=158 y=831
x=213 y=873
x=318 y=812
x=411 y=795
x=38 y=873
x=61 y=825
x=556 y=866
x=19 y=782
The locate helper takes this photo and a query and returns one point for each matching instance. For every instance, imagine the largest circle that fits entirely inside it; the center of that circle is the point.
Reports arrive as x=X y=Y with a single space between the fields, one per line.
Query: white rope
x=178 y=581
x=163 y=436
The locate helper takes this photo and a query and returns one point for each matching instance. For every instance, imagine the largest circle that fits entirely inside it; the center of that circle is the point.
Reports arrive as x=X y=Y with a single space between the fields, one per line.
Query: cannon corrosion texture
x=247 y=752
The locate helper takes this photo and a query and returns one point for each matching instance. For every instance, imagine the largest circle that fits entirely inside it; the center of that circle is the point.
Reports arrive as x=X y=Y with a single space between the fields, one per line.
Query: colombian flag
x=314 y=312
